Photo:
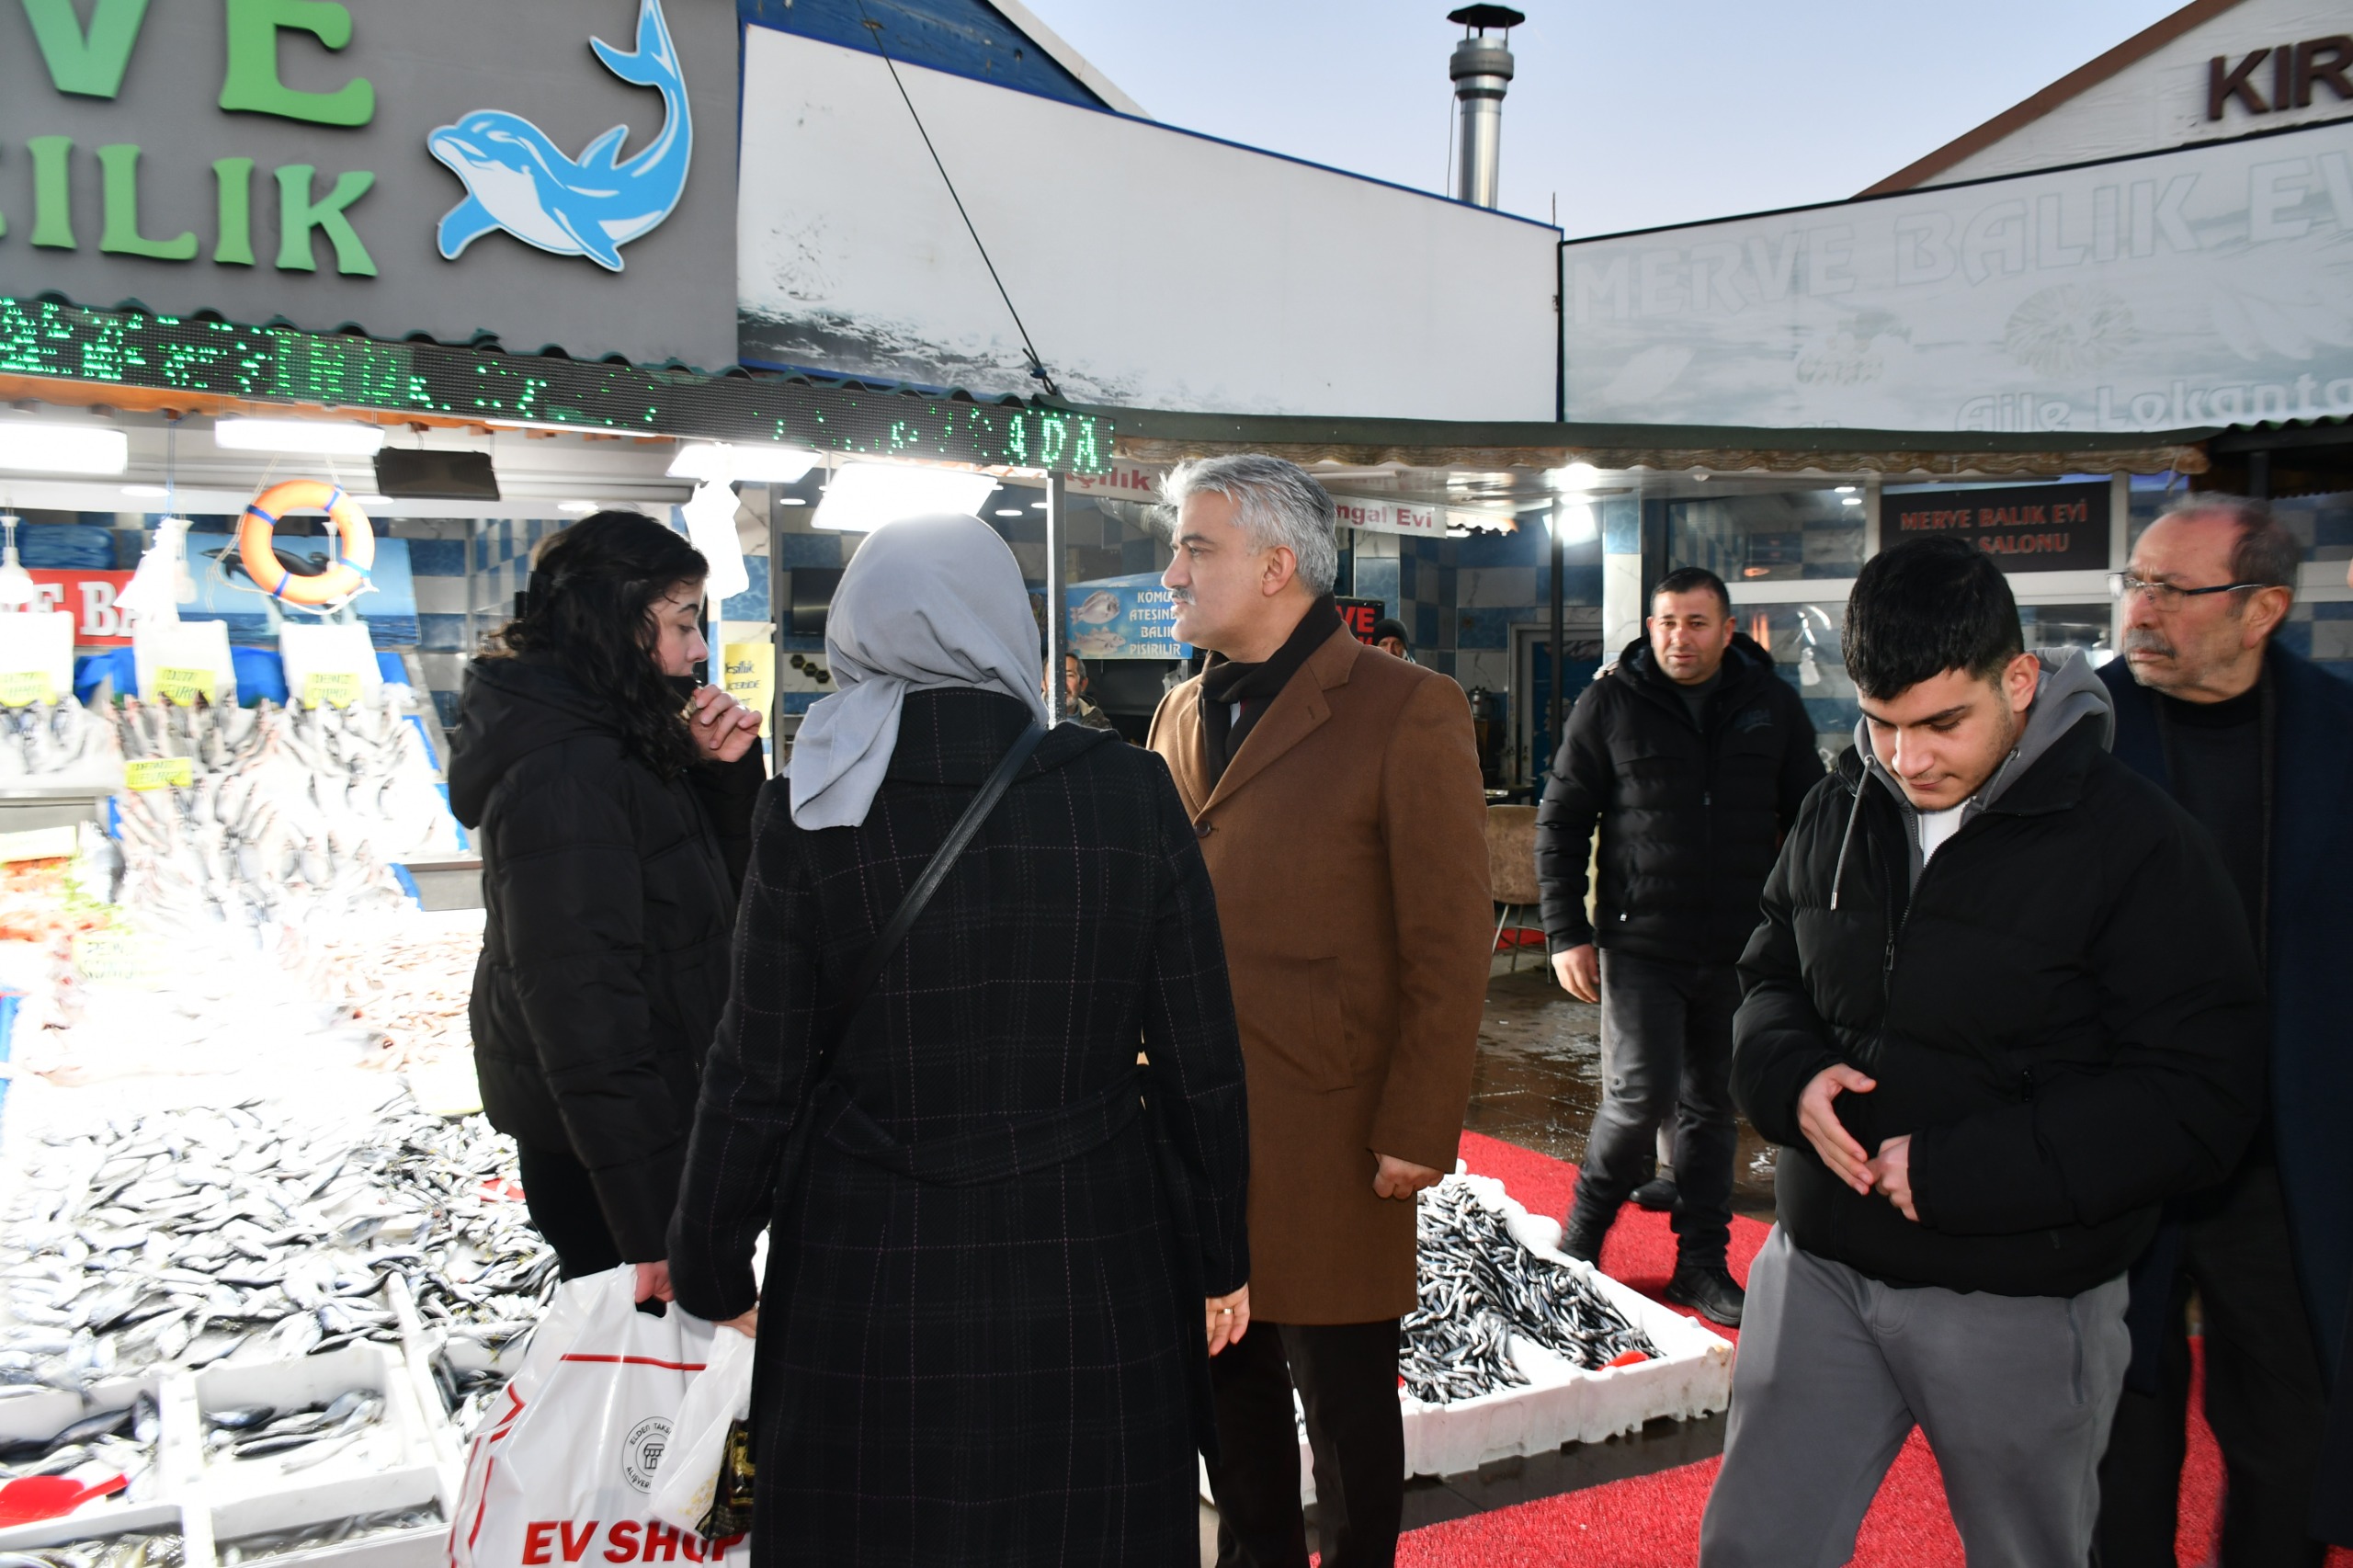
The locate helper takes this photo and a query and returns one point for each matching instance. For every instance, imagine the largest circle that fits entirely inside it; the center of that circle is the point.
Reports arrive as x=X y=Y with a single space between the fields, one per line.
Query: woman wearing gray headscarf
x=991 y=1224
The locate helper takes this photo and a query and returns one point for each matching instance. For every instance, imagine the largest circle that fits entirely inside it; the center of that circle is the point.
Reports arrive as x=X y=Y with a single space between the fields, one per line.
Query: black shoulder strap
x=870 y=968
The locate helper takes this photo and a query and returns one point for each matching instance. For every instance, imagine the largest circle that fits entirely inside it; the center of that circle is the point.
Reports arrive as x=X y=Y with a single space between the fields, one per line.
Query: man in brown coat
x=1338 y=798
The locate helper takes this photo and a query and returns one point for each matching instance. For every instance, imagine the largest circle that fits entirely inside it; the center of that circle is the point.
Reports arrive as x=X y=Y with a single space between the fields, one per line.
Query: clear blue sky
x=1634 y=114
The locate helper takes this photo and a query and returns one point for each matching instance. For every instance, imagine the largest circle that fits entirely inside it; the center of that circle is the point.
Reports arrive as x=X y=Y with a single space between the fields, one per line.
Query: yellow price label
x=159 y=773
x=178 y=684
x=22 y=689
x=331 y=689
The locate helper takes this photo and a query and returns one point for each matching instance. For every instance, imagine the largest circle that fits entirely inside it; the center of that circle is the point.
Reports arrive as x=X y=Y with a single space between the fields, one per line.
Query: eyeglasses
x=2167 y=596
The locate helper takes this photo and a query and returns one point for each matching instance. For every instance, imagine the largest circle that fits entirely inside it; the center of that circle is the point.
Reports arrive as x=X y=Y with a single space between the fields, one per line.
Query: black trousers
x=2264 y=1396
x=1346 y=1378
x=1665 y=1055
x=563 y=1201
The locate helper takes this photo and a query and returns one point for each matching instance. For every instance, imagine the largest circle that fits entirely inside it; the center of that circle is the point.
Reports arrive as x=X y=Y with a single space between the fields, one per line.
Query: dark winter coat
x=608 y=895
x=981 y=1329
x=1689 y=820
x=2308 y=942
x=2065 y=1015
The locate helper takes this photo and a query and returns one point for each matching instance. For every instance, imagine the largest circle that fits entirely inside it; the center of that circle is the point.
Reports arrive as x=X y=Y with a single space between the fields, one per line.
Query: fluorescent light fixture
x=320 y=437
x=145 y=492
x=723 y=463
x=43 y=448
x=1010 y=512
x=577 y=508
x=864 y=496
x=1854 y=501
x=790 y=501
x=1571 y=477
x=373 y=500
x=1842 y=490
x=1037 y=505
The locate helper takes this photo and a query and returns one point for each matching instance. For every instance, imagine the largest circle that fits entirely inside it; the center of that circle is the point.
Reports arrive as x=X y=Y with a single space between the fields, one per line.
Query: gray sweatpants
x=2014 y=1393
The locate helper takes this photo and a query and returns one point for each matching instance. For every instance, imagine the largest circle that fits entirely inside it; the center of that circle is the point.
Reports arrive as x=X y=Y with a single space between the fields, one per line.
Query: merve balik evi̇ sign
x=2029 y=527
x=529 y=170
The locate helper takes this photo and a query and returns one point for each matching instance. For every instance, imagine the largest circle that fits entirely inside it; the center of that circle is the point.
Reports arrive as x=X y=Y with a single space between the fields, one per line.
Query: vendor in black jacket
x=613 y=801
x=2004 y=1003
x=1692 y=756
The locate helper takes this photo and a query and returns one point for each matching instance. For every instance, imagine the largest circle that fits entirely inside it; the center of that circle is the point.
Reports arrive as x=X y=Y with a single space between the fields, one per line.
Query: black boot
x=1709 y=1291
x=1657 y=1195
x=1581 y=1235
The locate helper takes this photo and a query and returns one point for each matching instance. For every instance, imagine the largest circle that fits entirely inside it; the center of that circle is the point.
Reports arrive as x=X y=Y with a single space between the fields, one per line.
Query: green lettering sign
x=119 y=166
x=298 y=215
x=92 y=64
x=53 y=191
x=252 y=81
x=235 y=246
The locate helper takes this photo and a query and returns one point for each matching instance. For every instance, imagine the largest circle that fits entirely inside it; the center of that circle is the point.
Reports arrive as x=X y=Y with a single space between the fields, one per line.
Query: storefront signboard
x=1362 y=617
x=541 y=172
x=2025 y=527
x=1354 y=298
x=1119 y=482
x=2202 y=287
x=89 y=597
x=1391 y=516
x=1124 y=618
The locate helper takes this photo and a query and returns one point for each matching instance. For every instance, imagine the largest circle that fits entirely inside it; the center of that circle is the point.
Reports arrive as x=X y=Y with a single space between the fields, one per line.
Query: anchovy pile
x=292 y=814
x=111 y=1442
x=1478 y=1288
x=184 y=1237
x=297 y=1439
x=132 y=1550
x=310 y=1537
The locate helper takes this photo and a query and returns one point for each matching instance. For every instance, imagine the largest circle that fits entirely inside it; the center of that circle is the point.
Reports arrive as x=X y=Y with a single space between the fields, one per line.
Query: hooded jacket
x=1689 y=817
x=2063 y=1010
x=609 y=896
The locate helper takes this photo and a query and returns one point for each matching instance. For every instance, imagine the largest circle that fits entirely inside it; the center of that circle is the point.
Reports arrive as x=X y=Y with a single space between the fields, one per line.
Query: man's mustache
x=2142 y=639
x=1180 y=595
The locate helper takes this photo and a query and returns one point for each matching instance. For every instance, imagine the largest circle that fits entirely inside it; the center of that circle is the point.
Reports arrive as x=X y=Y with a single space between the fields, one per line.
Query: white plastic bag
x=564 y=1471
x=720 y=1396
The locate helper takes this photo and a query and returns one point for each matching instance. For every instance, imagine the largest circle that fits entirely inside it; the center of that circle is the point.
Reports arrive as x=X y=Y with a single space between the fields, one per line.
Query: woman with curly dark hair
x=612 y=800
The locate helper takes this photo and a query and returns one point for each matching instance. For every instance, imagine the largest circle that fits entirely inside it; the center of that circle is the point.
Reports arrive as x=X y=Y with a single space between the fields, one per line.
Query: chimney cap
x=1482 y=17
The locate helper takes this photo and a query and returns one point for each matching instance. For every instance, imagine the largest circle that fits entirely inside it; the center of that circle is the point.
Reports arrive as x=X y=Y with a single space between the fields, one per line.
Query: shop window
x=1784 y=537
x=1803 y=639
x=2086 y=626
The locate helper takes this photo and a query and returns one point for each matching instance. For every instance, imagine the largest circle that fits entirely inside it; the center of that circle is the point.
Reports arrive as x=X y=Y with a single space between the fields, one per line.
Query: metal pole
x=1560 y=632
x=1057 y=621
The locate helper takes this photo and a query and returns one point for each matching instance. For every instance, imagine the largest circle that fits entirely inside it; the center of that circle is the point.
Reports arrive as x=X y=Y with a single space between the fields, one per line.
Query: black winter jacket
x=2065 y=1015
x=1689 y=822
x=610 y=897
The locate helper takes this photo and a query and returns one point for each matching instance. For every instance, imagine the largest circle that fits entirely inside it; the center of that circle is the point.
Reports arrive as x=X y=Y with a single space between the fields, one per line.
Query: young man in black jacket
x=2003 y=1004
x=1692 y=756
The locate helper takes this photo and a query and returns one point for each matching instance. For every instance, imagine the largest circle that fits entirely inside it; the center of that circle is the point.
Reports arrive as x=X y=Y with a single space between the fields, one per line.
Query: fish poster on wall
x=1124 y=618
x=225 y=592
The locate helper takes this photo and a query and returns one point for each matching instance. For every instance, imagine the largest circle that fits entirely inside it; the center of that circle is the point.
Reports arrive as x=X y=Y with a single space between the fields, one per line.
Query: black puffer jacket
x=611 y=896
x=2064 y=1014
x=1690 y=821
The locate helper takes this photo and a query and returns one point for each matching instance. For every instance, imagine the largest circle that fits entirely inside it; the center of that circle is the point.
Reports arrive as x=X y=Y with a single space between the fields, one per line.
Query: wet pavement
x=1538 y=1078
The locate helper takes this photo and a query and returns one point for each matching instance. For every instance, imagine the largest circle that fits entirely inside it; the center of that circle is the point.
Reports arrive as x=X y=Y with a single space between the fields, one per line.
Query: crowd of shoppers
x=1025 y=1045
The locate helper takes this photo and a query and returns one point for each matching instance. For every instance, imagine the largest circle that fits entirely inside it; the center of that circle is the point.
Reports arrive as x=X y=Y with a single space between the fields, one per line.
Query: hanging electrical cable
x=1037 y=365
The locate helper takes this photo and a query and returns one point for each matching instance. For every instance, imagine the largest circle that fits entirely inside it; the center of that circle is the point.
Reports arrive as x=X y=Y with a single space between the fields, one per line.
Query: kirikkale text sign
x=2029 y=527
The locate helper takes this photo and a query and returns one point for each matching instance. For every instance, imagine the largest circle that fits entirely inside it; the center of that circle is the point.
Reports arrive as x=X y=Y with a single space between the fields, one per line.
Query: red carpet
x=1652 y=1521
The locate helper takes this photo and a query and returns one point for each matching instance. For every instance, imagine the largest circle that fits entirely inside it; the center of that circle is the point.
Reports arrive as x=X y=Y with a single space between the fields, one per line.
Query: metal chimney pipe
x=1482 y=70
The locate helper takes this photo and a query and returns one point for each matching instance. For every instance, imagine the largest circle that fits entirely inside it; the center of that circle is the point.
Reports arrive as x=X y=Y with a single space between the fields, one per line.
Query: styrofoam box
x=91 y=1525
x=391 y=1465
x=1561 y=1404
x=39 y=1413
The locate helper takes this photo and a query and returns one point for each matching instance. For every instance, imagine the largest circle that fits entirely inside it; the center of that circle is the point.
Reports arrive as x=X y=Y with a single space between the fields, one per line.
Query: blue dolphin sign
x=516 y=179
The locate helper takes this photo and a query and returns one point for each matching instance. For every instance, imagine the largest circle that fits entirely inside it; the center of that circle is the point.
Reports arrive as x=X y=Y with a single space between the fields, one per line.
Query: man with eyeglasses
x=2257 y=745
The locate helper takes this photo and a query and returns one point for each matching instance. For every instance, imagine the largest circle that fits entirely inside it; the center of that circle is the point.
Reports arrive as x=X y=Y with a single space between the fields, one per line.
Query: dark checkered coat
x=979 y=1367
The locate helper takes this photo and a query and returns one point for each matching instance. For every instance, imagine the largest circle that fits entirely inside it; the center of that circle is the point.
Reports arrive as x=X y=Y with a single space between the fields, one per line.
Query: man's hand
x=1820 y=1123
x=723 y=727
x=748 y=1326
x=1229 y=1317
x=1402 y=1178
x=1579 y=970
x=654 y=1282
x=1891 y=1174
